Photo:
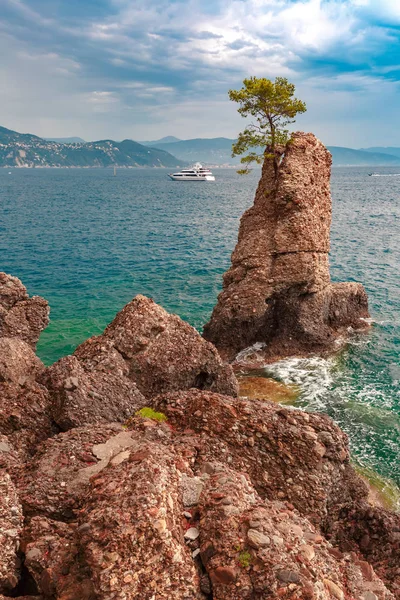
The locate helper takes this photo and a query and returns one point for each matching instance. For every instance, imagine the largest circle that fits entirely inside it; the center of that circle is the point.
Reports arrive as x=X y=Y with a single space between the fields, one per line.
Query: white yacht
x=195 y=173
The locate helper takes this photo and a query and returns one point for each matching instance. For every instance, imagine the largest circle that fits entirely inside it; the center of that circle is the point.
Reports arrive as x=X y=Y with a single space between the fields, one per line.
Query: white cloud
x=153 y=67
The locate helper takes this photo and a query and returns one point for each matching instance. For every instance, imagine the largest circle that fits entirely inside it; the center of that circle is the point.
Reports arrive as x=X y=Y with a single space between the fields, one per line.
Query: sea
x=89 y=241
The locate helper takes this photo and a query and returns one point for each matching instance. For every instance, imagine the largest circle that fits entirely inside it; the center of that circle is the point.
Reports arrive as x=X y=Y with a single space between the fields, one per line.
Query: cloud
x=109 y=67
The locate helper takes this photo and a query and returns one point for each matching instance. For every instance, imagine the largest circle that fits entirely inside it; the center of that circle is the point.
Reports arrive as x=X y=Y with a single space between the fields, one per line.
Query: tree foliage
x=273 y=106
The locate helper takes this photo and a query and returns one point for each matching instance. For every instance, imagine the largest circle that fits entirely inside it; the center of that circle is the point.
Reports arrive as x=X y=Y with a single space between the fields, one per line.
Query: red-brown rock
x=162 y=352
x=290 y=455
x=277 y=291
x=11 y=521
x=80 y=397
x=56 y=479
x=132 y=529
x=53 y=560
x=255 y=549
x=373 y=533
x=18 y=362
x=24 y=414
x=21 y=316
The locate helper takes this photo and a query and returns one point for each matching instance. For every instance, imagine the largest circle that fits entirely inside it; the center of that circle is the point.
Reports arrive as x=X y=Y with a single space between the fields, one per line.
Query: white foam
x=313 y=375
x=385 y=175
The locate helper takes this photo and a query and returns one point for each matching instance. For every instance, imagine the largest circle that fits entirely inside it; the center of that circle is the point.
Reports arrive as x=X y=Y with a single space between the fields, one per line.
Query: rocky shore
x=133 y=470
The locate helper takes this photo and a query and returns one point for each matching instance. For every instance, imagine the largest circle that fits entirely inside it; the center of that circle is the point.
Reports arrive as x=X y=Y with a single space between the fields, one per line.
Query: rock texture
x=158 y=351
x=53 y=560
x=24 y=415
x=290 y=455
x=21 y=316
x=80 y=397
x=278 y=290
x=213 y=497
x=24 y=410
x=11 y=520
x=133 y=539
x=375 y=534
x=55 y=481
x=255 y=549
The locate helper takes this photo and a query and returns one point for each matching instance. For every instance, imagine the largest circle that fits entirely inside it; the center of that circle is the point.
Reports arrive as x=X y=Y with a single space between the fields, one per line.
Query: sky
x=144 y=69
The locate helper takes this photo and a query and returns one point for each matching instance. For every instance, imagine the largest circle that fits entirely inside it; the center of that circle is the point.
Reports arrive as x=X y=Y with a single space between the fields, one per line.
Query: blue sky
x=143 y=69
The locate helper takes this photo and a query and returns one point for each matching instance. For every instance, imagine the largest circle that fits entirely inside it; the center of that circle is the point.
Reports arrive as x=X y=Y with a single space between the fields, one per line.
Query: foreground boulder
x=24 y=404
x=288 y=454
x=80 y=397
x=209 y=496
x=21 y=316
x=374 y=533
x=53 y=560
x=255 y=549
x=278 y=291
x=160 y=352
x=18 y=363
x=133 y=529
x=24 y=415
x=55 y=481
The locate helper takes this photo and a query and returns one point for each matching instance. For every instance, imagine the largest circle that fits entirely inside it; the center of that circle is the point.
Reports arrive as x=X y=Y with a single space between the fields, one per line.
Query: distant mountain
x=165 y=140
x=213 y=151
x=348 y=156
x=26 y=150
x=67 y=140
x=217 y=151
x=393 y=150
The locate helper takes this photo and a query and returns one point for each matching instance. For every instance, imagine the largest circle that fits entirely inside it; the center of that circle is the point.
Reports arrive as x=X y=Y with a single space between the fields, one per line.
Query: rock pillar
x=278 y=291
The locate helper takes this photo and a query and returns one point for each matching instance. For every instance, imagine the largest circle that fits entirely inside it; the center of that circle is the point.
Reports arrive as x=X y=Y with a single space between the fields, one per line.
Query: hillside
x=213 y=151
x=348 y=156
x=26 y=150
x=217 y=151
x=393 y=150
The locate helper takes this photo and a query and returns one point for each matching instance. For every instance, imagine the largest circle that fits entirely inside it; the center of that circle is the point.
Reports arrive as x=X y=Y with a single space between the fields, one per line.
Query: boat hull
x=191 y=178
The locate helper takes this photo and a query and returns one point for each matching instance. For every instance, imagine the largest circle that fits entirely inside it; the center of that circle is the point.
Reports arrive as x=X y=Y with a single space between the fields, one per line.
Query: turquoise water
x=89 y=242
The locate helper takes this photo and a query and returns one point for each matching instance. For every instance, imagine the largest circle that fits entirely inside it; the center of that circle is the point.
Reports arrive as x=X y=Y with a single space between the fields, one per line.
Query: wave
x=313 y=375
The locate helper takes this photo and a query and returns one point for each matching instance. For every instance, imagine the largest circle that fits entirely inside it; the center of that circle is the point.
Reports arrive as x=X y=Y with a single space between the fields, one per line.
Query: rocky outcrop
x=20 y=316
x=133 y=540
x=80 y=397
x=24 y=404
x=255 y=549
x=144 y=351
x=288 y=455
x=373 y=533
x=53 y=560
x=201 y=496
x=158 y=351
x=55 y=481
x=24 y=415
x=18 y=363
x=278 y=290
x=220 y=498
